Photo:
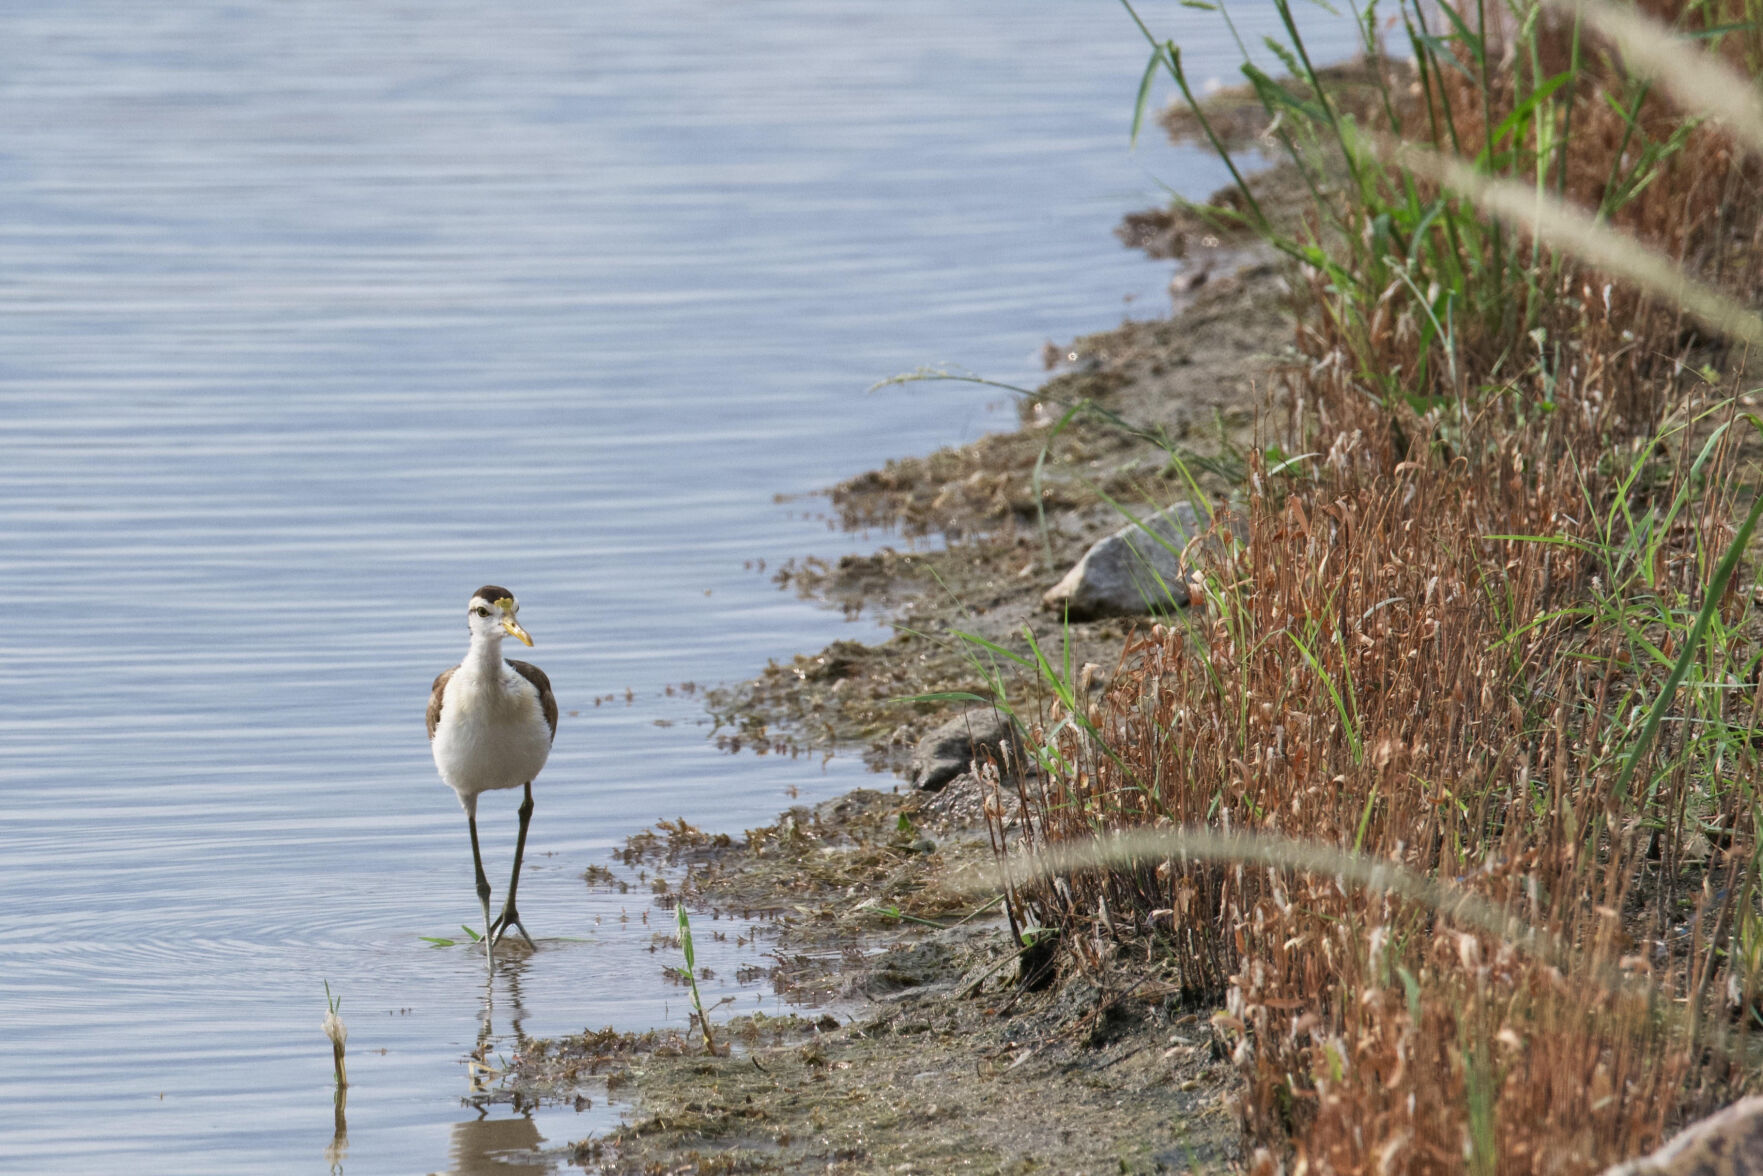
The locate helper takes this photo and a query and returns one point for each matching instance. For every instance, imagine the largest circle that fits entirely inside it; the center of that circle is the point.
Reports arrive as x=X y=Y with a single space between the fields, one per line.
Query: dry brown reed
x=1437 y=650
x=1388 y=680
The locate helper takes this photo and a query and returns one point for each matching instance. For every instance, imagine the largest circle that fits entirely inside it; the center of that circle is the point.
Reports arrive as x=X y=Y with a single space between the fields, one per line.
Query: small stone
x=1189 y=280
x=951 y=749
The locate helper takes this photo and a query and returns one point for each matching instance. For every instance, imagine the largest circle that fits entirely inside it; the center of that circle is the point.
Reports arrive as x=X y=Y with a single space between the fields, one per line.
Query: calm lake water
x=313 y=317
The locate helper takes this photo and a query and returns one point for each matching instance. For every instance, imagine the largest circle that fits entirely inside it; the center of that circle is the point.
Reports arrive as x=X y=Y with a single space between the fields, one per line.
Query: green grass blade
x=1692 y=644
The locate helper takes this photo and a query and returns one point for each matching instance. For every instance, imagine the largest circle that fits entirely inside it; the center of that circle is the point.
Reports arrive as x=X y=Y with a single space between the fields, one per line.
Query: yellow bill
x=506 y=604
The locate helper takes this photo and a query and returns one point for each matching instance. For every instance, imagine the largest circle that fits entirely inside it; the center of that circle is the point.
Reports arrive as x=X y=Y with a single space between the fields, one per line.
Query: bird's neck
x=483 y=659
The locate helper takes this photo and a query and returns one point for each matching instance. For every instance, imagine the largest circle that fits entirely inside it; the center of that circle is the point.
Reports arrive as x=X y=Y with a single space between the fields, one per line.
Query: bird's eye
x=481 y=611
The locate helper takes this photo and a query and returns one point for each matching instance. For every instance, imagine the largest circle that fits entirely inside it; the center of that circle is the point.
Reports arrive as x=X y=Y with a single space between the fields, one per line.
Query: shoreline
x=1475 y=563
x=958 y=1049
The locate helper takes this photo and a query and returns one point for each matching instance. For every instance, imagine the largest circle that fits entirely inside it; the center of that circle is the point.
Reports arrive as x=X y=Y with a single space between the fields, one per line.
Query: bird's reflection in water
x=485 y=1062
x=506 y=1145
x=501 y=1139
x=497 y=1147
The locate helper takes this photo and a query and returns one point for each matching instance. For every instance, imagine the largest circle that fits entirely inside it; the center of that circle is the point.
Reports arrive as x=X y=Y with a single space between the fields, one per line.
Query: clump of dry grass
x=1493 y=637
x=1391 y=675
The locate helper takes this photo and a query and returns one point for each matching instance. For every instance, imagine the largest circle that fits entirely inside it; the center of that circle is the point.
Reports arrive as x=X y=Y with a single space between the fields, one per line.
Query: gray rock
x=1727 y=1143
x=1132 y=572
x=948 y=751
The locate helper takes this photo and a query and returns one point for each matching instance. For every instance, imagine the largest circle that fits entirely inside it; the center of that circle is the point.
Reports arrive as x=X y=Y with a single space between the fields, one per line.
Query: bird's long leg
x=483 y=885
x=511 y=917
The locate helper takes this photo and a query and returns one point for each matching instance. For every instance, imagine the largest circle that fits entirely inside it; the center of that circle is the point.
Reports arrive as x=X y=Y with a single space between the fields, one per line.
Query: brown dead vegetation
x=1439 y=651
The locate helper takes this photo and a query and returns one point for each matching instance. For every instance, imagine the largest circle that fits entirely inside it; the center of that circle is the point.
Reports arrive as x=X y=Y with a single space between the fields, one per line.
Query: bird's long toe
x=509 y=919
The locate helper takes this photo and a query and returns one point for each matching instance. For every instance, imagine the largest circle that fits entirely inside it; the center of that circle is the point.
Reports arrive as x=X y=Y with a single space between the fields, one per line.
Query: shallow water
x=315 y=316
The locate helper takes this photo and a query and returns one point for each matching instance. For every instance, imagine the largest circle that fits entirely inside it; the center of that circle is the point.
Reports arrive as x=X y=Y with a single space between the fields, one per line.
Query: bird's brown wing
x=542 y=684
x=435 y=696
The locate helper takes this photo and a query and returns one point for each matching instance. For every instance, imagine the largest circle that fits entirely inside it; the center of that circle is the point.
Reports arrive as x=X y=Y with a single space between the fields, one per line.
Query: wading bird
x=491 y=722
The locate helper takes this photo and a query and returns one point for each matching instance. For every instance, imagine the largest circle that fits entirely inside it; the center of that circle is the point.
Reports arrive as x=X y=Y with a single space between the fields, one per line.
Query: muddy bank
x=1191 y=384
x=949 y=1043
x=947 y=1048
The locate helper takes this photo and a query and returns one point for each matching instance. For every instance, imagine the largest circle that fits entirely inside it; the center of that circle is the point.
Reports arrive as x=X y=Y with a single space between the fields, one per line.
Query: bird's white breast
x=492 y=732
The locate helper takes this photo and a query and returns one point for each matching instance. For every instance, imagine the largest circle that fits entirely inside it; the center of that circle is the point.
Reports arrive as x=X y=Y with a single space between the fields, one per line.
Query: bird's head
x=491 y=614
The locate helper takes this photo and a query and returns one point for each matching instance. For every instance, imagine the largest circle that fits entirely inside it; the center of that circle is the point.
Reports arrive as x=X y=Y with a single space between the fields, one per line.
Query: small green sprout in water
x=443 y=941
x=337 y=1032
x=685 y=943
